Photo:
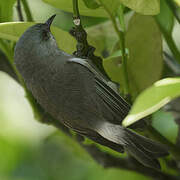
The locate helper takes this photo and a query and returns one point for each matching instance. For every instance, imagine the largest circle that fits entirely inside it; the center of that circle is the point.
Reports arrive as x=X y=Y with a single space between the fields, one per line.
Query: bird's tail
x=143 y=149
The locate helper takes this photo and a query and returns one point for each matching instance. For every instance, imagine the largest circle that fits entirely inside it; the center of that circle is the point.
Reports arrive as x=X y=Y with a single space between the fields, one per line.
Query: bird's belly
x=65 y=104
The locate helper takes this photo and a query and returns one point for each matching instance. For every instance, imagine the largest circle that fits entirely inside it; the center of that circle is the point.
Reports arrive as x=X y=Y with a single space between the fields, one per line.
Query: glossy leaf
x=177 y=2
x=153 y=98
x=165 y=124
x=165 y=19
x=102 y=37
x=144 y=65
x=6 y=10
x=146 y=7
x=13 y=30
x=100 y=12
x=67 y=6
x=92 y=4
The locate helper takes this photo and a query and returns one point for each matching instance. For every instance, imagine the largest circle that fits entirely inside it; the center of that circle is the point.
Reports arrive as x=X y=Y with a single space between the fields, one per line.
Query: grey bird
x=75 y=92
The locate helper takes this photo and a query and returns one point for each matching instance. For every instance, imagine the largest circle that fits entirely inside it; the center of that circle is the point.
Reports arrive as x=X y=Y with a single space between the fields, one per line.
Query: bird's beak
x=49 y=21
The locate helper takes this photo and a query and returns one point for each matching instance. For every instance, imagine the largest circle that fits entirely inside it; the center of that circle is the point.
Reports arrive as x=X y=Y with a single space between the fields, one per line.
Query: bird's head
x=37 y=40
x=42 y=31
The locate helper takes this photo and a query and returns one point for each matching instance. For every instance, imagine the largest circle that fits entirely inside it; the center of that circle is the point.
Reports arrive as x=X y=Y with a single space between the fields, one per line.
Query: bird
x=73 y=91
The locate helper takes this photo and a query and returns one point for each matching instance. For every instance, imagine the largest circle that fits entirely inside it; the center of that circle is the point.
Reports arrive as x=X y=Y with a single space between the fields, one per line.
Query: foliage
x=129 y=36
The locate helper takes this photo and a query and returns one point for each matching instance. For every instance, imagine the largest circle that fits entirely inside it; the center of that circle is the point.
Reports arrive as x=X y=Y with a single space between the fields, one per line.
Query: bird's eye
x=45 y=35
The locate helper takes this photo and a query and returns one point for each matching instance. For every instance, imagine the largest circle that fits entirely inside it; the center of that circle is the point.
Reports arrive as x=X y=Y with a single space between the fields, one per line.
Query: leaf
x=177 y=2
x=72 y=145
x=146 y=7
x=152 y=99
x=165 y=19
x=6 y=10
x=92 y=4
x=145 y=62
x=5 y=66
x=67 y=6
x=102 y=37
x=164 y=122
x=13 y=30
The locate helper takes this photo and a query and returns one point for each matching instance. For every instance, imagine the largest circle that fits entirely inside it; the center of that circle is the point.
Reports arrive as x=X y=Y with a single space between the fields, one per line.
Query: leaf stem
x=121 y=35
x=76 y=9
x=173 y=9
x=19 y=10
x=171 y=44
x=27 y=10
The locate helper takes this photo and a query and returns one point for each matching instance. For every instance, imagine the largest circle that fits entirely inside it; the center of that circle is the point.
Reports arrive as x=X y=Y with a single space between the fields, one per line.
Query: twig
x=173 y=9
x=172 y=63
x=172 y=45
x=109 y=161
x=121 y=35
x=19 y=10
x=84 y=50
x=168 y=36
x=27 y=11
x=76 y=10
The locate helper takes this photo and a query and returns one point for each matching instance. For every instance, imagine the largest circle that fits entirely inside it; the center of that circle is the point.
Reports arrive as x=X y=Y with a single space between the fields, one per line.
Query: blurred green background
x=30 y=150
x=33 y=151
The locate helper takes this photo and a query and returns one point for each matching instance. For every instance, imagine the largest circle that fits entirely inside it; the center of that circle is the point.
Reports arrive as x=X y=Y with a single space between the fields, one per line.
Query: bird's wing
x=118 y=106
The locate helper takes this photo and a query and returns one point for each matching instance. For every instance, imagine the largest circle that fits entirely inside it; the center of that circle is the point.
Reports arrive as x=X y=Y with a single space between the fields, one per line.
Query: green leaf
x=6 y=10
x=13 y=30
x=165 y=19
x=145 y=62
x=164 y=122
x=152 y=99
x=67 y=6
x=92 y=4
x=74 y=146
x=146 y=7
x=102 y=37
x=177 y=2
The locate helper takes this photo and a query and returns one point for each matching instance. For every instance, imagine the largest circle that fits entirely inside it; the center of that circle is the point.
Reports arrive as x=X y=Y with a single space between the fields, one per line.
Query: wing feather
x=111 y=98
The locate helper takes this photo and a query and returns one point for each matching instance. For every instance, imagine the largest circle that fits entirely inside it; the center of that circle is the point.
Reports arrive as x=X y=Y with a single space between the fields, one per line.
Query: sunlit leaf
x=144 y=63
x=92 y=4
x=6 y=10
x=177 y=2
x=102 y=37
x=165 y=124
x=165 y=19
x=146 y=7
x=100 y=12
x=153 y=98
x=13 y=30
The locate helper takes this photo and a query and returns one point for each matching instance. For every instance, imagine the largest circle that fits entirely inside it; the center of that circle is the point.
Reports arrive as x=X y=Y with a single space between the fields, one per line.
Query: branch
x=109 y=161
x=83 y=49
x=27 y=10
x=19 y=10
x=121 y=35
x=173 y=9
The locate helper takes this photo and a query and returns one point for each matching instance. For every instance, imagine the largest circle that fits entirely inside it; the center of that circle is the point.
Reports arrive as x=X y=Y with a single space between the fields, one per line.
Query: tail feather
x=151 y=147
x=142 y=156
x=143 y=149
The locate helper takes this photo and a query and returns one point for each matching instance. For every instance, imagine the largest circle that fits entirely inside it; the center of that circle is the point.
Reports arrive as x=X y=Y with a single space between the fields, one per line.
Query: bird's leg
x=83 y=49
